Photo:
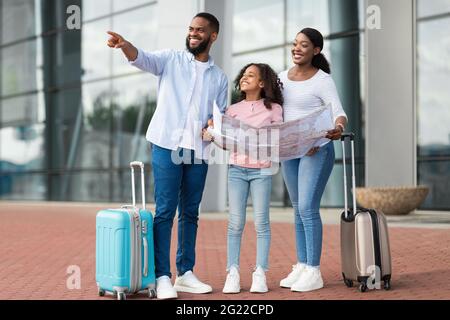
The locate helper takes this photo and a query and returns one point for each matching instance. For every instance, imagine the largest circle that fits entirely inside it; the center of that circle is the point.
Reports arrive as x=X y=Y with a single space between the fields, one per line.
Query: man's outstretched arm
x=118 y=42
x=153 y=62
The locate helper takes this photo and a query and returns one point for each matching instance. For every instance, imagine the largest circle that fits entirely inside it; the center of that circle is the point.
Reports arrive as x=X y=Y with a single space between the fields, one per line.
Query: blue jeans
x=240 y=182
x=305 y=180
x=176 y=185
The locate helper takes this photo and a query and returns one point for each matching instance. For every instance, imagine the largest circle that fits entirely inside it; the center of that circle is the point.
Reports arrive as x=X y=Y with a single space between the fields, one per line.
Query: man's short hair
x=213 y=22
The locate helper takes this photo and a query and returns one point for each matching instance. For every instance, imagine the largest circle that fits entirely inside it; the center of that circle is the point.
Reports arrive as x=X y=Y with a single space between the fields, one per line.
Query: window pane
x=23 y=110
x=93 y=143
x=22 y=148
x=18 y=20
x=121 y=5
x=121 y=185
x=436 y=175
x=429 y=8
x=275 y=58
x=433 y=111
x=433 y=80
x=86 y=186
x=23 y=186
x=140 y=28
x=19 y=71
x=134 y=105
x=94 y=9
x=326 y=16
x=96 y=55
x=260 y=21
x=304 y=13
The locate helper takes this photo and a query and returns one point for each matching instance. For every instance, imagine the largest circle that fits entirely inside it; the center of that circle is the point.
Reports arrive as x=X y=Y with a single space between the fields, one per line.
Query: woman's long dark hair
x=319 y=61
x=271 y=93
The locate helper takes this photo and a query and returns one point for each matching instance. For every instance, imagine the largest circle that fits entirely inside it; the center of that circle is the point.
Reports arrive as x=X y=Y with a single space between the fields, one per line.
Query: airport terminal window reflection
x=18 y=16
x=95 y=9
x=134 y=102
x=433 y=97
x=119 y=5
x=19 y=68
x=272 y=57
x=22 y=148
x=260 y=21
x=139 y=27
x=426 y=8
x=56 y=100
x=306 y=13
x=92 y=138
x=23 y=186
x=96 y=56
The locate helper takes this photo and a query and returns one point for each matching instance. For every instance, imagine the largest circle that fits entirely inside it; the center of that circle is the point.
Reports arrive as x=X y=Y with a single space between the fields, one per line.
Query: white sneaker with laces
x=188 y=282
x=259 y=284
x=164 y=288
x=232 y=284
x=295 y=274
x=310 y=280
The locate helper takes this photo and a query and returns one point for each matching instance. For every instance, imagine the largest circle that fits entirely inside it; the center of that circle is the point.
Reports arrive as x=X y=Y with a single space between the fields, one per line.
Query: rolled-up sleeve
x=153 y=62
x=330 y=96
x=222 y=97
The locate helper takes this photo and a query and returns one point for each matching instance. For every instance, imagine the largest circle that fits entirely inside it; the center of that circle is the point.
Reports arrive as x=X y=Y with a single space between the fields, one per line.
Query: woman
x=260 y=105
x=307 y=86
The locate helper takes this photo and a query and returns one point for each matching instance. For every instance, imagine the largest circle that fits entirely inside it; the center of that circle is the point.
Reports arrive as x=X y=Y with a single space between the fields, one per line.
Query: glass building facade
x=433 y=101
x=73 y=113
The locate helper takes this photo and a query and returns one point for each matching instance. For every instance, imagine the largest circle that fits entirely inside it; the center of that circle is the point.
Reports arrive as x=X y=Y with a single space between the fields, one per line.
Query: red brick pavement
x=39 y=245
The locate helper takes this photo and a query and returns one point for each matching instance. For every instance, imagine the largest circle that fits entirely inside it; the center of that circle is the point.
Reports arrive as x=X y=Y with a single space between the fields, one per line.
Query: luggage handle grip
x=145 y=245
x=350 y=135
x=133 y=189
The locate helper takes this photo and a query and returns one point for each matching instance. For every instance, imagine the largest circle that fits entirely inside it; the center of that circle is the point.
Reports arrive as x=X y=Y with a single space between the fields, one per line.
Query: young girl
x=260 y=105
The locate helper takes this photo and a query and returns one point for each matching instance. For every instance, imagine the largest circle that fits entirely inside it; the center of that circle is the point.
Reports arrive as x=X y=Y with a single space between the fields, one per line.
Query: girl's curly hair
x=271 y=93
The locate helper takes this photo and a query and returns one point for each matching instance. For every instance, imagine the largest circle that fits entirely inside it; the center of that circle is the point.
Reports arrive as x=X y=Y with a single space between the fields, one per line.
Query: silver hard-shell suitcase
x=365 y=251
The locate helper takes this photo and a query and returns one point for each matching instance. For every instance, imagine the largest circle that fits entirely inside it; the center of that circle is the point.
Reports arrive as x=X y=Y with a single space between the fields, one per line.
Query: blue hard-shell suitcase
x=125 y=262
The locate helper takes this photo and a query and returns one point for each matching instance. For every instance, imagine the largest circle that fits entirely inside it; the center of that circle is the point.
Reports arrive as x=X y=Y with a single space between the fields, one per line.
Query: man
x=189 y=84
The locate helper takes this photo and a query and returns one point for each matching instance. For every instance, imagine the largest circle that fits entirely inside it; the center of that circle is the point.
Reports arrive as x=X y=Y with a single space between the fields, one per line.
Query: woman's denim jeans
x=305 y=180
x=259 y=183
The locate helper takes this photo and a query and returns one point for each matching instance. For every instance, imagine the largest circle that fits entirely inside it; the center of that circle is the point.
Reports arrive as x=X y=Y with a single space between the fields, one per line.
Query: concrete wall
x=390 y=117
x=215 y=195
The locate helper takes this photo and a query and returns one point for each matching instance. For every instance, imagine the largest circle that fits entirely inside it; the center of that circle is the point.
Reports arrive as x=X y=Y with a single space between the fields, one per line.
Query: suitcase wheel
x=151 y=293
x=362 y=287
x=121 y=296
x=348 y=283
x=101 y=292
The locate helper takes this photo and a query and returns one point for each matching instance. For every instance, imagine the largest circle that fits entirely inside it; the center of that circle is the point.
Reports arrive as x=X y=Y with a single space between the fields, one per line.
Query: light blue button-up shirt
x=176 y=71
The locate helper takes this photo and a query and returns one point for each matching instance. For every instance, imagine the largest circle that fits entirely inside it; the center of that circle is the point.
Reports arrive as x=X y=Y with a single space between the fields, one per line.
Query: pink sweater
x=255 y=114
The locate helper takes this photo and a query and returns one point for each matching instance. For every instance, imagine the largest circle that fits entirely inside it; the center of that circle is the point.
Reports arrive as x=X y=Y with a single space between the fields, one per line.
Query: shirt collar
x=192 y=59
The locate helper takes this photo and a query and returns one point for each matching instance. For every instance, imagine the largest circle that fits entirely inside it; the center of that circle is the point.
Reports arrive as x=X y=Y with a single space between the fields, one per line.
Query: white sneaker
x=164 y=288
x=310 y=280
x=259 y=284
x=295 y=274
x=232 y=284
x=188 y=282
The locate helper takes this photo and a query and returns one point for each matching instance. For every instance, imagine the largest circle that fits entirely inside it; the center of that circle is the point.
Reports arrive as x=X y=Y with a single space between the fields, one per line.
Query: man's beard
x=202 y=47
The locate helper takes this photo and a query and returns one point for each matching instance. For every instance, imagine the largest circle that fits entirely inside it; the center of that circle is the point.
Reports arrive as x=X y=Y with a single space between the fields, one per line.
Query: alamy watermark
x=73 y=21
x=73 y=282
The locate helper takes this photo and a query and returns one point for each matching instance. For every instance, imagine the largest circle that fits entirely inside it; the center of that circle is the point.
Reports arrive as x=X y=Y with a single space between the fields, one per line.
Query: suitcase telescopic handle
x=133 y=189
x=350 y=136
